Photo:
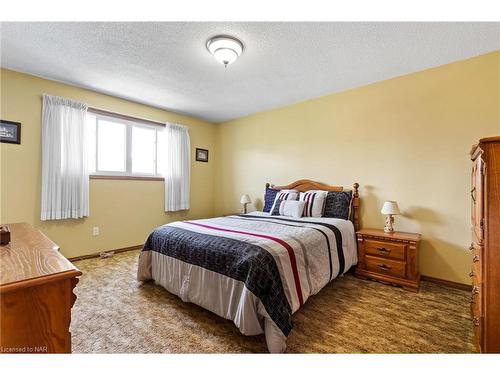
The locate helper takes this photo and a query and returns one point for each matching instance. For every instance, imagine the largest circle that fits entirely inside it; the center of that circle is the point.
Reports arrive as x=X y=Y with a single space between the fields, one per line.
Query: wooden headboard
x=305 y=185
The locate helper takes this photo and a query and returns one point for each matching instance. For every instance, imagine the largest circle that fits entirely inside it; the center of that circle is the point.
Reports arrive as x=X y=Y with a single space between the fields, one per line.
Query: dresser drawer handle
x=473 y=194
x=475 y=290
x=471 y=274
x=471 y=247
x=475 y=259
x=476 y=321
x=384 y=267
x=383 y=250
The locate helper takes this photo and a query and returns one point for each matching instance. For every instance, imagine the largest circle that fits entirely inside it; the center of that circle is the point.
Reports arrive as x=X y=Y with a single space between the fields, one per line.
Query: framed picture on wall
x=10 y=132
x=202 y=155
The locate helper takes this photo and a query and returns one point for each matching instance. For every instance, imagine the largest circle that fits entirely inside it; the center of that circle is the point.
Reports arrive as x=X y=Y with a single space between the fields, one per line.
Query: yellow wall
x=125 y=211
x=405 y=139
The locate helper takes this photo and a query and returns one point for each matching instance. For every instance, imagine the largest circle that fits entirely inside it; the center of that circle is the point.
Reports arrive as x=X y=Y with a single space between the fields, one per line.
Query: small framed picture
x=10 y=132
x=202 y=155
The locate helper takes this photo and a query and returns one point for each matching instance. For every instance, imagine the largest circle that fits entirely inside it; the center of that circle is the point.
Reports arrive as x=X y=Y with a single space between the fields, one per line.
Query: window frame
x=129 y=123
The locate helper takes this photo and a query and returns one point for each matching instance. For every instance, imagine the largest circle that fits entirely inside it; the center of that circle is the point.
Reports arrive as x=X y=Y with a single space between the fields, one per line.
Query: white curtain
x=177 y=167
x=65 y=176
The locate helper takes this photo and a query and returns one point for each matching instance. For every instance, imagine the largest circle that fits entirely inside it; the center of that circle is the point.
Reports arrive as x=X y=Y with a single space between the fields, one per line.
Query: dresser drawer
x=385 y=249
x=385 y=266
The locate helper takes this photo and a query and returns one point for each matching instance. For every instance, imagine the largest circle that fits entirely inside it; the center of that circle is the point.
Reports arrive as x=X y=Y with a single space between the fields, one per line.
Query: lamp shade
x=390 y=208
x=245 y=198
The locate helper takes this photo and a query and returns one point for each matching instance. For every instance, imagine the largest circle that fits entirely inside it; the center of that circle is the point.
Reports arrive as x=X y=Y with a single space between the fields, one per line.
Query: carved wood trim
x=355 y=203
x=74 y=282
x=411 y=285
x=381 y=238
x=305 y=185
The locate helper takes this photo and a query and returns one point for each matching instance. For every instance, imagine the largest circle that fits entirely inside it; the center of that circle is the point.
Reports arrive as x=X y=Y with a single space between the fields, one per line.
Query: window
x=123 y=147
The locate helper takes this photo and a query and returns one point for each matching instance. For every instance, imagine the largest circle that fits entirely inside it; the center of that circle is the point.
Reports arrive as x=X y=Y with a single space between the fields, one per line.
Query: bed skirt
x=222 y=295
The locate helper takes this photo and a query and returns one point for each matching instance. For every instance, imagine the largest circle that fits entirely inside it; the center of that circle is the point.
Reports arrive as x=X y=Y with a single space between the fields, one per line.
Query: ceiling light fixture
x=225 y=49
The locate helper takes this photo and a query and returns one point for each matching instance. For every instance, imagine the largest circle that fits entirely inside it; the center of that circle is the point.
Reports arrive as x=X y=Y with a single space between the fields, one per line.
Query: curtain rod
x=124 y=116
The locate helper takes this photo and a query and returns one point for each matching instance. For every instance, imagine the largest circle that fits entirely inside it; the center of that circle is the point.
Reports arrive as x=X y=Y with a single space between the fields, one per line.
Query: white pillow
x=289 y=208
x=314 y=202
x=285 y=195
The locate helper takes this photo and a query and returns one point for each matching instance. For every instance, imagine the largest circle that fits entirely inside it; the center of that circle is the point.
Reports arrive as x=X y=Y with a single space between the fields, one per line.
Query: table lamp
x=245 y=199
x=390 y=208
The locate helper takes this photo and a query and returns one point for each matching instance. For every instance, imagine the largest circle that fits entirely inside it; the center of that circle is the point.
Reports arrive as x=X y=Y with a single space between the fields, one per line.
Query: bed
x=254 y=269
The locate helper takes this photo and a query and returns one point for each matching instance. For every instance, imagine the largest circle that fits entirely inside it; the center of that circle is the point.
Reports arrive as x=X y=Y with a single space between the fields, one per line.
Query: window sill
x=111 y=177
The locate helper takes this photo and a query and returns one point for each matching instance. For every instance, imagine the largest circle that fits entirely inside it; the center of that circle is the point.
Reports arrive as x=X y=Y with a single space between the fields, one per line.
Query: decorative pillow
x=314 y=202
x=338 y=204
x=288 y=208
x=286 y=195
x=269 y=199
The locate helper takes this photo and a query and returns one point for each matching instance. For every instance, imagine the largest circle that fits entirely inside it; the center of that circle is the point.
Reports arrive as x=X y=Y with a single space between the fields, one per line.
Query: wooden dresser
x=36 y=293
x=389 y=257
x=485 y=245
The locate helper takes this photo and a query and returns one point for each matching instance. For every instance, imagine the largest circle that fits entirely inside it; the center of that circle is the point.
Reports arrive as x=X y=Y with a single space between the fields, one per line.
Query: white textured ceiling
x=166 y=64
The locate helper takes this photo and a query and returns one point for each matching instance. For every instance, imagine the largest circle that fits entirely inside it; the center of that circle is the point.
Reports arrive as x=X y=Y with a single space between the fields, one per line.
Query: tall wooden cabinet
x=485 y=245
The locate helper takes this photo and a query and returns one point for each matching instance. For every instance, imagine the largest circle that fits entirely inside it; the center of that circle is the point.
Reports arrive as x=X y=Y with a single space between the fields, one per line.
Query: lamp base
x=389 y=221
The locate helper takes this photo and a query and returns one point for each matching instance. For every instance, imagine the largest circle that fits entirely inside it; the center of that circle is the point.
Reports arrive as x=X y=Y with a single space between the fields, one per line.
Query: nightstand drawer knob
x=383 y=250
x=475 y=259
x=384 y=267
x=471 y=247
x=475 y=290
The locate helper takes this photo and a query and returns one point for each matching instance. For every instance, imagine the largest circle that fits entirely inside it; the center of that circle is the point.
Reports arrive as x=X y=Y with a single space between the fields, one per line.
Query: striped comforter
x=254 y=269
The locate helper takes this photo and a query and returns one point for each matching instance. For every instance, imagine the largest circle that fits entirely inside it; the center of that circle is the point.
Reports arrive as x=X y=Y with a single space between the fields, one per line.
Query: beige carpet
x=114 y=313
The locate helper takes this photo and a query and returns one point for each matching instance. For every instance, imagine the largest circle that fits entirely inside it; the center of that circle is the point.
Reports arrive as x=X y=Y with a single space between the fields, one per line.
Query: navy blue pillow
x=269 y=199
x=337 y=204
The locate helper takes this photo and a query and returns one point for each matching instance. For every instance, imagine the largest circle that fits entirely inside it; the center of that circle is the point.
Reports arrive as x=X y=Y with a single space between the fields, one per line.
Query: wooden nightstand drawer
x=389 y=257
x=385 y=249
x=385 y=266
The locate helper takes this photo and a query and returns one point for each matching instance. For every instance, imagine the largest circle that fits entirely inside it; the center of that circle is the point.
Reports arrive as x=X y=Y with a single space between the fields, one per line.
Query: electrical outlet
x=95 y=231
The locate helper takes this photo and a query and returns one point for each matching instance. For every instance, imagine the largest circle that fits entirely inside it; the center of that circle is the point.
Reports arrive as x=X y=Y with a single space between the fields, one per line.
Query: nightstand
x=389 y=257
